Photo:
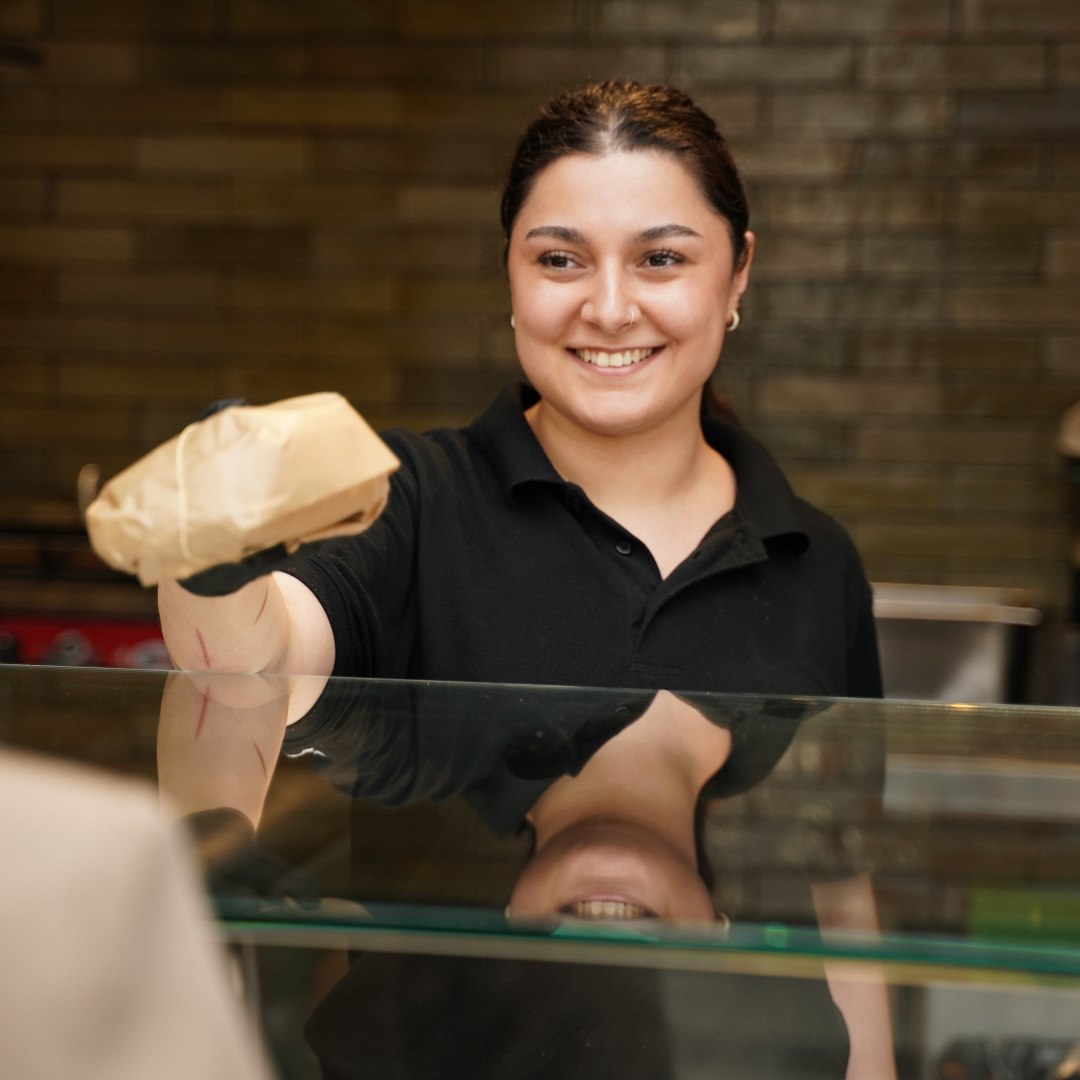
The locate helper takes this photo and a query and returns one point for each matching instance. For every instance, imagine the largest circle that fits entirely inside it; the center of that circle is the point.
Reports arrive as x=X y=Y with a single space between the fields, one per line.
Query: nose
x=609 y=305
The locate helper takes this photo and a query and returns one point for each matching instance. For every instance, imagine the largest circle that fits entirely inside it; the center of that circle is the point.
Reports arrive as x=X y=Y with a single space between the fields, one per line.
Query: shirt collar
x=504 y=435
x=764 y=494
x=763 y=491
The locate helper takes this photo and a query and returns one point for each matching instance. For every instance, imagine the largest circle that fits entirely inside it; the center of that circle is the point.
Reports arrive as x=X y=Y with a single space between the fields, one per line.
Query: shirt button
x=623 y=547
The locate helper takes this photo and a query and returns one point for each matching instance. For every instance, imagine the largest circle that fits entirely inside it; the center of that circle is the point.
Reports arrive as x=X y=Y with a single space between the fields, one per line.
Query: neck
x=654 y=466
x=650 y=775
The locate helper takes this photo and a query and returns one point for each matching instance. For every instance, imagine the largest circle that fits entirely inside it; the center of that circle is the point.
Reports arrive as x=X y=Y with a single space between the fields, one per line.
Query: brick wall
x=267 y=197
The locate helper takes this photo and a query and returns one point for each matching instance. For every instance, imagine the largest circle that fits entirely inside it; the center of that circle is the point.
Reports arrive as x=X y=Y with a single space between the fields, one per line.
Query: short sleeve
x=366 y=583
x=863 y=660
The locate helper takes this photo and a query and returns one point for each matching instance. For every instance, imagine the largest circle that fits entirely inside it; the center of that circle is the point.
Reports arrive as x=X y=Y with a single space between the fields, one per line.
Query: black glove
x=226 y=578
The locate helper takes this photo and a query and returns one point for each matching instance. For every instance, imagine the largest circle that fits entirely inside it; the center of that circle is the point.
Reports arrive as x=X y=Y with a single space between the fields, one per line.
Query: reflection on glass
x=611 y=786
x=403 y=818
x=616 y=841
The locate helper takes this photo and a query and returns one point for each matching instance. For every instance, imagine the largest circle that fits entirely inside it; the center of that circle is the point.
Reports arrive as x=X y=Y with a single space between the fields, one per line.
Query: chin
x=617 y=422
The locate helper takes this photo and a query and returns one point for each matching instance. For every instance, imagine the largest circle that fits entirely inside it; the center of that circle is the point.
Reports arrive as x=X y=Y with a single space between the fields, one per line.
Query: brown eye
x=556 y=260
x=661 y=260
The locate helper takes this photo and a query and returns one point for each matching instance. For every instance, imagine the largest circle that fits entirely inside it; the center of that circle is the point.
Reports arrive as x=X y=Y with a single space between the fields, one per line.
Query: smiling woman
x=623 y=278
x=635 y=290
x=603 y=523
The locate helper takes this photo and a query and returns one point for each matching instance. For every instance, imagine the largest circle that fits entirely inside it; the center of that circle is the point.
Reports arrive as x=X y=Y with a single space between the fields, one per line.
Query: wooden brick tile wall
x=268 y=197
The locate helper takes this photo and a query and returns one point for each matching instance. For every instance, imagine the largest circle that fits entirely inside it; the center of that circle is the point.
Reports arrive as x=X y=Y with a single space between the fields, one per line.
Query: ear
x=741 y=278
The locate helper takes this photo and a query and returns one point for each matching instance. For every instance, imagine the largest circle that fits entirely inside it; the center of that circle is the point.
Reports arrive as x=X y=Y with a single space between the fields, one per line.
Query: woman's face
x=611 y=871
x=621 y=281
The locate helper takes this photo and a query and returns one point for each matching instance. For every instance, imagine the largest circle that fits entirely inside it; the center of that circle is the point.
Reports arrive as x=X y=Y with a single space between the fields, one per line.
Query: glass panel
x=928 y=834
x=784 y=883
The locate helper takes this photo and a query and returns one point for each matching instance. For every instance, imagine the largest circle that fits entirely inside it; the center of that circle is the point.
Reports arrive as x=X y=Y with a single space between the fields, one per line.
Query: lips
x=607 y=910
x=623 y=358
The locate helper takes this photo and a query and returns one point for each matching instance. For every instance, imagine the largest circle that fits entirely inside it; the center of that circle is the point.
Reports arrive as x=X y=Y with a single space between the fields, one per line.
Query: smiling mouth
x=607 y=910
x=624 y=358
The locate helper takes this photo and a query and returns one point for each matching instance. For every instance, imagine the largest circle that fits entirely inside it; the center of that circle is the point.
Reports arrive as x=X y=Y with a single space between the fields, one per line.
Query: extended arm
x=273 y=625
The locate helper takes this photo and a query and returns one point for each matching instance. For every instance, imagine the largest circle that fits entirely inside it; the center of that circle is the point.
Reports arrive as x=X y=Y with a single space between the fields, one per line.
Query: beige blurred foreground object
x=242 y=480
x=110 y=972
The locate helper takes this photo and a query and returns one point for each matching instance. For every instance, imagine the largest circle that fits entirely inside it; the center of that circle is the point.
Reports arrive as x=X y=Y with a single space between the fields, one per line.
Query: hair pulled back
x=619 y=116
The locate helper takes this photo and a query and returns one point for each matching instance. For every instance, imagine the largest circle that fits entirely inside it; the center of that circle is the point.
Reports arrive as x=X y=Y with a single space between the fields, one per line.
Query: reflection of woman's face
x=609 y=871
x=621 y=280
x=616 y=841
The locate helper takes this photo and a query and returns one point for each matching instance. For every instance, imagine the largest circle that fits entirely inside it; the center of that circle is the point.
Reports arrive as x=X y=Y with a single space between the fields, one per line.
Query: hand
x=228 y=578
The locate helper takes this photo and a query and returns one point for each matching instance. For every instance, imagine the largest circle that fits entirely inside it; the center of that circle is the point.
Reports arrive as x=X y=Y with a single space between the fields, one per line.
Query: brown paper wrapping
x=244 y=479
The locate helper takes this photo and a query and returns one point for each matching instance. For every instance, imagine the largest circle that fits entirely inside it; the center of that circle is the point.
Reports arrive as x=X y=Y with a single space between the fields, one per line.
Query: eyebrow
x=665 y=232
x=557 y=232
x=646 y=236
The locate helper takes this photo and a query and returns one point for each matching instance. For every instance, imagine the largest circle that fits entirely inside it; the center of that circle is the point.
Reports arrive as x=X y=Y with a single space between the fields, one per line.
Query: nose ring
x=632 y=319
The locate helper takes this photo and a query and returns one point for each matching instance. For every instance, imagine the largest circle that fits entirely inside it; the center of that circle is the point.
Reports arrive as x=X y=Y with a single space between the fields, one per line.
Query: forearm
x=219 y=740
x=245 y=631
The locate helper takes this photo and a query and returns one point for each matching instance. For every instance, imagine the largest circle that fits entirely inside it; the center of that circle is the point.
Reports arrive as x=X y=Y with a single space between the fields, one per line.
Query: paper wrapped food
x=242 y=480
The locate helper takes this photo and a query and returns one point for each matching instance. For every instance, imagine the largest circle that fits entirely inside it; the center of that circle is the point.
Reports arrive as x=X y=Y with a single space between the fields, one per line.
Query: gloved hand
x=226 y=578
x=242 y=481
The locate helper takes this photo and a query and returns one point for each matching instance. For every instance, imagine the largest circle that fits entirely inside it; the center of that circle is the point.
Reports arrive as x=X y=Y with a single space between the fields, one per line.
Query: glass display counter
x=425 y=879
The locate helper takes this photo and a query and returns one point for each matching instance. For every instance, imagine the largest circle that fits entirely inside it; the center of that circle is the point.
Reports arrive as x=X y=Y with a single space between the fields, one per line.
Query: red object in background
x=129 y=643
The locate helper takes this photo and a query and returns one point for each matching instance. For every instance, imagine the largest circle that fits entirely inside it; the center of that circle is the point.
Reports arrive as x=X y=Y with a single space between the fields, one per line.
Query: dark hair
x=614 y=116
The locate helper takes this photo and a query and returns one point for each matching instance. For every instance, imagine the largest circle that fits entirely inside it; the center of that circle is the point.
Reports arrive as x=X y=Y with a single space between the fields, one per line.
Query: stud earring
x=733 y=321
x=513 y=323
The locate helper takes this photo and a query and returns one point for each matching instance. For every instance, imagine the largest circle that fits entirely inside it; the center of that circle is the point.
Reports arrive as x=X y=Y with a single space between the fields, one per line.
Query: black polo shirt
x=487 y=566
x=402 y=742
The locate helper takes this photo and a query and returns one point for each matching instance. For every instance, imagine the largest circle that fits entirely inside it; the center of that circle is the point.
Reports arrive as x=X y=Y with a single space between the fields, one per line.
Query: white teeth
x=608 y=909
x=613 y=359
